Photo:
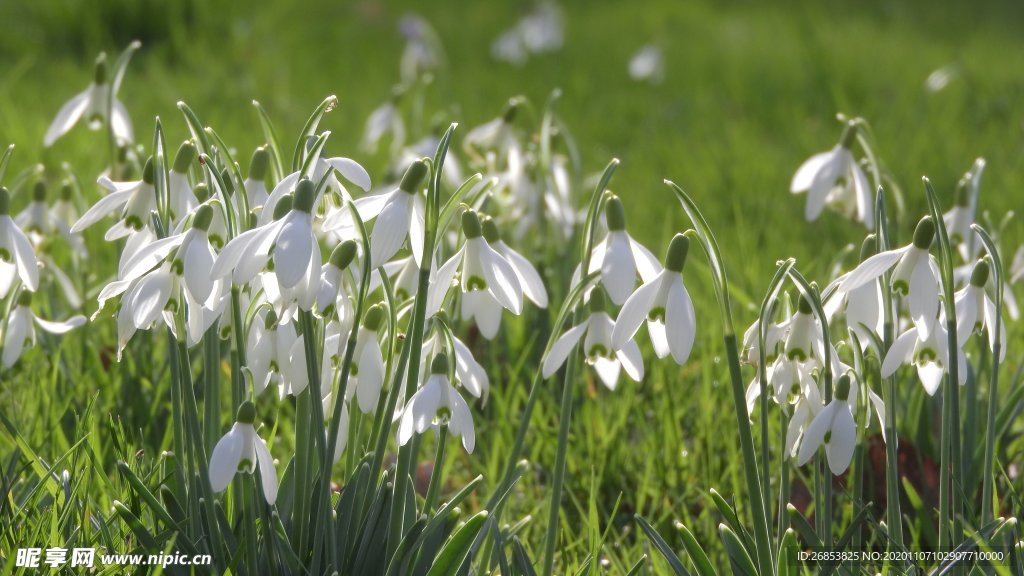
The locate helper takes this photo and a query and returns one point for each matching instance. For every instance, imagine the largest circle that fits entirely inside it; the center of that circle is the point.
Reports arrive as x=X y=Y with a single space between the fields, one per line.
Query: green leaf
x=670 y=556
x=789 y=555
x=309 y=129
x=271 y=137
x=742 y=565
x=455 y=550
x=700 y=560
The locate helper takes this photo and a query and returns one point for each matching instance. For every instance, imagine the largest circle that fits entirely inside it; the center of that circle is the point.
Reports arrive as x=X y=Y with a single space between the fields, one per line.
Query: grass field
x=751 y=90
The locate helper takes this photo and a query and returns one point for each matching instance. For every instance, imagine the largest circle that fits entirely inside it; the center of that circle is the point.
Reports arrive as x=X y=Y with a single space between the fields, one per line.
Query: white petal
x=268 y=474
x=931 y=377
x=120 y=122
x=990 y=325
x=417 y=225
x=18 y=330
x=390 y=229
x=462 y=421
x=198 y=261
x=533 y=286
x=241 y=246
x=631 y=359
x=923 y=296
x=502 y=280
x=646 y=263
x=865 y=200
x=899 y=353
x=870 y=269
x=67 y=116
x=24 y=255
x=608 y=372
x=618 y=270
x=60 y=327
x=293 y=250
x=369 y=207
x=842 y=442
x=635 y=311
x=442 y=283
x=805 y=174
x=112 y=201
x=371 y=374
x=814 y=435
x=352 y=171
x=227 y=454
x=561 y=348
x=680 y=321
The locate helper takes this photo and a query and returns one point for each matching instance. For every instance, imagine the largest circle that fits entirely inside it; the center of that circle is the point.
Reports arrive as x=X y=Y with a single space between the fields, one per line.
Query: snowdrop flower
x=807 y=406
x=20 y=330
x=597 y=347
x=498 y=136
x=834 y=427
x=835 y=178
x=437 y=403
x=913 y=277
x=863 y=305
x=40 y=223
x=422 y=53
x=256 y=182
x=468 y=372
x=774 y=335
x=619 y=257
x=271 y=349
x=289 y=241
x=975 y=311
x=666 y=305
x=383 y=121
x=805 y=340
x=334 y=293
x=488 y=282
x=400 y=213
x=17 y=258
x=539 y=31
x=92 y=104
x=136 y=200
x=321 y=167
x=242 y=450
x=929 y=354
x=647 y=65
x=366 y=375
x=529 y=278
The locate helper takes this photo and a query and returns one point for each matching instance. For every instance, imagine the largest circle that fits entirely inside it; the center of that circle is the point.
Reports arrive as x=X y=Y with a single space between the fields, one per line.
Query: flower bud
x=67 y=190
x=374 y=317
x=805 y=305
x=615 y=214
x=283 y=206
x=597 y=301
x=979 y=277
x=849 y=135
x=100 y=71
x=246 y=413
x=414 y=176
x=675 y=259
x=149 y=172
x=25 y=298
x=843 y=388
x=259 y=163
x=201 y=191
x=184 y=158
x=305 y=195
x=439 y=365
x=490 y=229
x=343 y=254
x=204 y=216
x=924 y=233
x=39 y=191
x=471 y=225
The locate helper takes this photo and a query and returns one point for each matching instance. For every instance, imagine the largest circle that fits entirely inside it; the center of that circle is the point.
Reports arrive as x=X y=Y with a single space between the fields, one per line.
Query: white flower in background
x=399 y=214
x=498 y=137
x=136 y=200
x=64 y=208
x=647 y=64
x=914 y=276
x=425 y=147
x=488 y=282
x=834 y=427
x=774 y=335
x=19 y=332
x=423 y=53
x=366 y=375
x=1017 y=267
x=93 y=104
x=807 y=406
x=321 y=167
x=529 y=278
x=834 y=178
x=619 y=257
x=289 y=241
x=941 y=77
x=437 y=403
x=962 y=214
x=666 y=305
x=384 y=121
x=404 y=276
x=468 y=372
x=929 y=354
x=805 y=340
x=975 y=311
x=40 y=222
x=17 y=258
x=596 y=332
x=542 y=30
x=242 y=450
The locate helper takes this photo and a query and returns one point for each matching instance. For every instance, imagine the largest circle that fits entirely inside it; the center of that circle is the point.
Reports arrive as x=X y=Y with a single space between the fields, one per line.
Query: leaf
x=309 y=129
x=789 y=555
x=271 y=137
x=742 y=565
x=700 y=560
x=673 y=560
x=455 y=550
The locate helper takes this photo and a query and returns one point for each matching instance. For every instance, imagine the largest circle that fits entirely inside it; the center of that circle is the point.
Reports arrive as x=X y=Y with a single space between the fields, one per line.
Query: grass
x=751 y=90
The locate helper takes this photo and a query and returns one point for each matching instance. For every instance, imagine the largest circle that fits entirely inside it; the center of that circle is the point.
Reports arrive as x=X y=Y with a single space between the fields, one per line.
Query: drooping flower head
x=834 y=178
x=17 y=258
x=92 y=104
x=438 y=403
x=242 y=450
x=834 y=428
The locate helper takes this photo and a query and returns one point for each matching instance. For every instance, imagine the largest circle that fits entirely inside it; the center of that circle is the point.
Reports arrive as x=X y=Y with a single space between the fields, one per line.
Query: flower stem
x=436 y=475
x=565 y=417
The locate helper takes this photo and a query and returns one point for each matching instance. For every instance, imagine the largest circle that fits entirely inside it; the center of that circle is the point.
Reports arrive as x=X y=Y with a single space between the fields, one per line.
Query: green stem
x=211 y=383
x=436 y=475
x=249 y=519
x=565 y=418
